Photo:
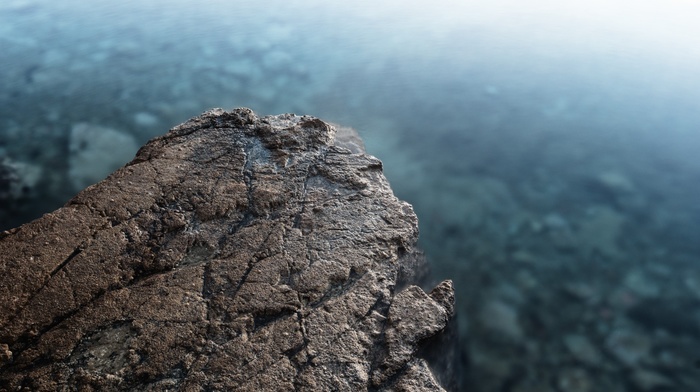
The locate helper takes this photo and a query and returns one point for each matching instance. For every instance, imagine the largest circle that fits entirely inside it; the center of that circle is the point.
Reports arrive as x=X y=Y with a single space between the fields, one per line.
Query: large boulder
x=233 y=253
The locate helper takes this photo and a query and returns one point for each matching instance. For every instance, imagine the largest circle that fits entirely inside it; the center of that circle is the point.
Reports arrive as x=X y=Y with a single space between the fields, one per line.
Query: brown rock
x=233 y=253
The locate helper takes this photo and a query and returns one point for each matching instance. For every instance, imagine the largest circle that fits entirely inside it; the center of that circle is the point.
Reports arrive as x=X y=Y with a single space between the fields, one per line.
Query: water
x=549 y=149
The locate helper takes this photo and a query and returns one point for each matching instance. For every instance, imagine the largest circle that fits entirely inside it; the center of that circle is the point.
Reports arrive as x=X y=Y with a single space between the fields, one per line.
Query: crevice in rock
x=65 y=262
x=297 y=217
x=339 y=289
x=262 y=320
x=300 y=366
x=391 y=381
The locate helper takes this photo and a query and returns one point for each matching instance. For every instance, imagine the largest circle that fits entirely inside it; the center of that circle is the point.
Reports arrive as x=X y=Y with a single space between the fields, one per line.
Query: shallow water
x=549 y=150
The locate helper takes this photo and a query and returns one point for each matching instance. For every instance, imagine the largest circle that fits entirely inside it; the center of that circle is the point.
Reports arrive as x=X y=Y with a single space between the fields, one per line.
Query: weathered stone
x=233 y=253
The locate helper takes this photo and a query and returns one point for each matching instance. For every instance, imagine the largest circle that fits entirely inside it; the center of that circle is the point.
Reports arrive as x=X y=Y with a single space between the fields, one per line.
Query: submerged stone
x=95 y=151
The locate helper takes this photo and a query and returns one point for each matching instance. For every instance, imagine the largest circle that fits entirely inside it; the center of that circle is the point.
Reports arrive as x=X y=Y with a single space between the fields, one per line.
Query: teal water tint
x=550 y=151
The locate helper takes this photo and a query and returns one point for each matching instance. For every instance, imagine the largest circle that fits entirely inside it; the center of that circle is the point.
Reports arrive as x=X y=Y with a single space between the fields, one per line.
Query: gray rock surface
x=233 y=253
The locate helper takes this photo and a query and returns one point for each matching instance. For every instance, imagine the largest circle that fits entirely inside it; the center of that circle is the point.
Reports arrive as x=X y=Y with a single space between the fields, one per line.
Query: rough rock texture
x=233 y=253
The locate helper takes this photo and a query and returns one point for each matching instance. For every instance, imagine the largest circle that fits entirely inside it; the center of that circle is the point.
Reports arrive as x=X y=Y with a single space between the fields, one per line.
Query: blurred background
x=550 y=149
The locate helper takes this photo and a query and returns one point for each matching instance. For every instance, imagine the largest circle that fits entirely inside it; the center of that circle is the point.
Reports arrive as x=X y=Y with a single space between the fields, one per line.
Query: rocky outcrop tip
x=235 y=252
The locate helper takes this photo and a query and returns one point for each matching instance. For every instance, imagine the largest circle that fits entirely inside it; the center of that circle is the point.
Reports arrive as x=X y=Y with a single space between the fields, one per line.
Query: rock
x=582 y=291
x=628 y=347
x=616 y=189
x=574 y=380
x=95 y=151
x=500 y=318
x=554 y=221
x=5 y=354
x=234 y=252
x=615 y=182
x=348 y=138
x=641 y=284
x=583 y=350
x=647 y=380
x=692 y=282
x=413 y=316
x=146 y=120
x=599 y=233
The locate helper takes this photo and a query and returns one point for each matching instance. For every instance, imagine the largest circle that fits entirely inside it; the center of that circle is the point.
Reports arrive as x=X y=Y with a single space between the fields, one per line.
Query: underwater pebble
x=648 y=380
x=554 y=221
x=501 y=318
x=615 y=182
x=581 y=291
x=574 y=380
x=692 y=283
x=95 y=151
x=144 y=119
x=583 y=350
x=623 y=298
x=628 y=347
x=600 y=231
x=639 y=283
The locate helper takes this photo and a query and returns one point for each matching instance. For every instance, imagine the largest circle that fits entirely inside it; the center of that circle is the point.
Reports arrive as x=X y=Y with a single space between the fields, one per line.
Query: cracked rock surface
x=235 y=252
